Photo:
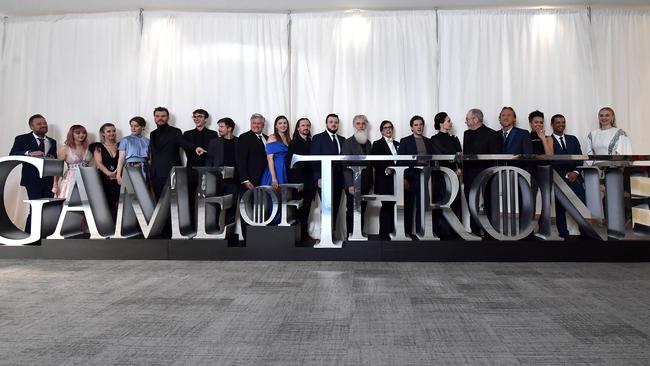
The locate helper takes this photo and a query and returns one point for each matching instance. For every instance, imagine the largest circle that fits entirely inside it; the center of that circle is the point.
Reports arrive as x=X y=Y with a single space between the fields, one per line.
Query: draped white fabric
x=527 y=59
x=72 y=69
x=229 y=64
x=381 y=64
x=622 y=55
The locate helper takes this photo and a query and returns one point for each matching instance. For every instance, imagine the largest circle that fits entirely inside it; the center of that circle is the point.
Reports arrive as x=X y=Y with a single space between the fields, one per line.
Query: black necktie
x=504 y=138
x=41 y=144
x=336 y=145
x=562 y=143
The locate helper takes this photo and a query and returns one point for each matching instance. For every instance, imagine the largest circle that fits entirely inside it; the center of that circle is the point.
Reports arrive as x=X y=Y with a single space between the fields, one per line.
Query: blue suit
x=563 y=168
x=36 y=186
x=518 y=142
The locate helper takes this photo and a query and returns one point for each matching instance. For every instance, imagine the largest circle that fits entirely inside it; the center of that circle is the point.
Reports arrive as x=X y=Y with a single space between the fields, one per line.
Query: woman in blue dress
x=277 y=147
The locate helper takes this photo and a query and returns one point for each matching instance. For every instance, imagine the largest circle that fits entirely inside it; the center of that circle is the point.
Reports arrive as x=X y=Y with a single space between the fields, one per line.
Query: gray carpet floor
x=323 y=313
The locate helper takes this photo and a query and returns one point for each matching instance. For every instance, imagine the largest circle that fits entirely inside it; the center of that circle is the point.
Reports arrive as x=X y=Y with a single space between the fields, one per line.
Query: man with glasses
x=384 y=184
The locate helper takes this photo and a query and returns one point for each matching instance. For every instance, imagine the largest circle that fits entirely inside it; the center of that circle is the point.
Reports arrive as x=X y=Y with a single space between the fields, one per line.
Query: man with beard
x=302 y=173
x=165 y=143
x=415 y=144
x=35 y=144
x=329 y=142
x=564 y=144
x=384 y=184
x=478 y=139
x=357 y=144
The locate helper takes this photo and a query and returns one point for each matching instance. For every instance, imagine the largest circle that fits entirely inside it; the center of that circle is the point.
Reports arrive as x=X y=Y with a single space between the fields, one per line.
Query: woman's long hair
x=69 y=140
x=276 y=133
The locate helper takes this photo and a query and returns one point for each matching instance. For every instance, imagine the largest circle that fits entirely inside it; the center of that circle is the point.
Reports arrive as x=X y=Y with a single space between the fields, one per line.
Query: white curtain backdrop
x=622 y=55
x=72 y=69
x=228 y=64
x=381 y=64
x=527 y=59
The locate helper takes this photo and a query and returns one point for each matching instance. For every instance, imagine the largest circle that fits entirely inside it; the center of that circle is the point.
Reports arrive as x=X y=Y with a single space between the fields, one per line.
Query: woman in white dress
x=75 y=153
x=608 y=139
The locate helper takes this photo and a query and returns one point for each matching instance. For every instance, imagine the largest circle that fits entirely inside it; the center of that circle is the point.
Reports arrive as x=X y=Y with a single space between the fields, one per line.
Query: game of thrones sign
x=514 y=186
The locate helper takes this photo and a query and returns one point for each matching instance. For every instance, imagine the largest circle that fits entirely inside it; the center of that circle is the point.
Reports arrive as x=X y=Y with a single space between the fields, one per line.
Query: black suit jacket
x=572 y=148
x=407 y=146
x=251 y=158
x=301 y=172
x=352 y=147
x=165 y=144
x=383 y=182
x=321 y=144
x=483 y=140
x=30 y=179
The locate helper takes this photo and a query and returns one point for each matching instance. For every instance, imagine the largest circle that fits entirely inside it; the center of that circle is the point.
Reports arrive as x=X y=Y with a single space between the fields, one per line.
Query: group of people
x=259 y=159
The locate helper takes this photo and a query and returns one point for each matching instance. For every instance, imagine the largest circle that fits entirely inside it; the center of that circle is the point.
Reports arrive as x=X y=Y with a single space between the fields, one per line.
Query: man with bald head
x=478 y=139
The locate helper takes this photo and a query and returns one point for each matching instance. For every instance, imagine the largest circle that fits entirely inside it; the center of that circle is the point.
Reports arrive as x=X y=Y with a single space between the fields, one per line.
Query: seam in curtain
x=437 y=59
x=4 y=36
x=289 y=69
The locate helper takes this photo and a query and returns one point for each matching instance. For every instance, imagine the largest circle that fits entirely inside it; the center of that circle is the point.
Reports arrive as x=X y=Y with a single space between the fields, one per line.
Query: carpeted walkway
x=323 y=313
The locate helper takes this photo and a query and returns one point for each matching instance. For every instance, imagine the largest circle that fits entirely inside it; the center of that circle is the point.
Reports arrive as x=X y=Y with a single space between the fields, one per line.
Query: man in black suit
x=384 y=184
x=302 y=173
x=222 y=152
x=199 y=136
x=251 y=153
x=165 y=143
x=251 y=157
x=478 y=139
x=35 y=144
x=564 y=144
x=329 y=142
x=414 y=144
x=357 y=144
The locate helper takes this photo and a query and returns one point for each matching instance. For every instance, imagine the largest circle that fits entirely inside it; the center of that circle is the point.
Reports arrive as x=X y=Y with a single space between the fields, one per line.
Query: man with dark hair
x=222 y=152
x=302 y=173
x=357 y=144
x=165 y=142
x=384 y=184
x=36 y=144
x=199 y=136
x=414 y=144
x=478 y=139
x=564 y=144
x=329 y=142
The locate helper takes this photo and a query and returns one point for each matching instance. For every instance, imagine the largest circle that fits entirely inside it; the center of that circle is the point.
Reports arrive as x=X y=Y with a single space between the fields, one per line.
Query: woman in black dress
x=106 y=158
x=444 y=143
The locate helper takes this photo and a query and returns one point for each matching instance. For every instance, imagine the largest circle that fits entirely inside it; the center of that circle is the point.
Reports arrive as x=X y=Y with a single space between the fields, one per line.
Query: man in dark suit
x=165 y=143
x=384 y=184
x=199 y=136
x=302 y=173
x=414 y=144
x=251 y=157
x=357 y=144
x=564 y=144
x=478 y=139
x=514 y=140
x=222 y=152
x=36 y=144
x=329 y=142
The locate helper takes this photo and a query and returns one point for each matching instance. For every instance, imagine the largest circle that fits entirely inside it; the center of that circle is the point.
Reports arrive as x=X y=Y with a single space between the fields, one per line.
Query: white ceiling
x=43 y=7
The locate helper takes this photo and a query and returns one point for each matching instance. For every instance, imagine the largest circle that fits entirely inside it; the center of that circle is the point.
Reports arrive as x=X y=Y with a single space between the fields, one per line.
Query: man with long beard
x=357 y=144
